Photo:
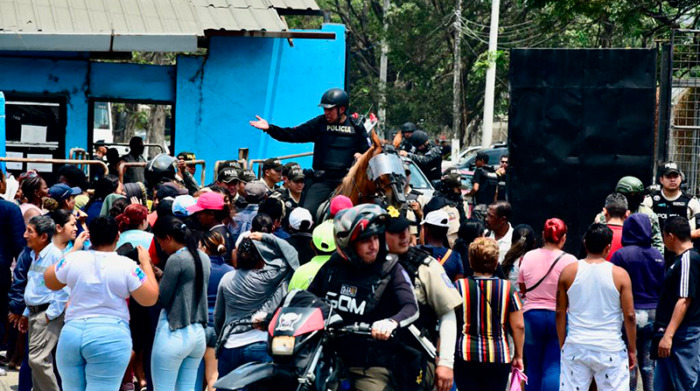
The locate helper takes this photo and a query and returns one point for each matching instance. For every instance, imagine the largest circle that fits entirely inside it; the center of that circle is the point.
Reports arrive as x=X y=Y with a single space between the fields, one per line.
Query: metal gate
x=683 y=99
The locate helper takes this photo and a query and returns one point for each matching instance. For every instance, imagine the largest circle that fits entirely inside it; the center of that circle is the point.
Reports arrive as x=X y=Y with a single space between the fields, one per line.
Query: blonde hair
x=483 y=255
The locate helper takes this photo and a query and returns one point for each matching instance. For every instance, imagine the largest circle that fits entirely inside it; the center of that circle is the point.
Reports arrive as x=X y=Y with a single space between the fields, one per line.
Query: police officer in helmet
x=407 y=130
x=427 y=156
x=338 y=141
x=365 y=284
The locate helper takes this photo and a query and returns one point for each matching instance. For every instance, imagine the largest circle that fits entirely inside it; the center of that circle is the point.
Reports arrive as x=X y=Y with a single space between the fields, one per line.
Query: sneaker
x=3 y=372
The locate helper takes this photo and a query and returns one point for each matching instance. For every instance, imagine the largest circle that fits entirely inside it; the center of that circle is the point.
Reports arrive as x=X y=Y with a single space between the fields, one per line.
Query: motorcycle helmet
x=357 y=223
x=419 y=138
x=161 y=168
x=323 y=238
x=335 y=97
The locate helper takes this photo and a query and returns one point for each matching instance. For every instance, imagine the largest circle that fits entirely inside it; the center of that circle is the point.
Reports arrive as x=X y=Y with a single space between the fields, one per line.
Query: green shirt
x=305 y=273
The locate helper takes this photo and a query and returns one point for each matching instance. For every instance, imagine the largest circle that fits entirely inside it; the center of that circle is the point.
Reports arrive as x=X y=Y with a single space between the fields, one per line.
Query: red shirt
x=616 y=240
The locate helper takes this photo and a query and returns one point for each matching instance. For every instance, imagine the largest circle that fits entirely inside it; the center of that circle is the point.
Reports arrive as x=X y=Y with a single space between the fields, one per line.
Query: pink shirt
x=535 y=265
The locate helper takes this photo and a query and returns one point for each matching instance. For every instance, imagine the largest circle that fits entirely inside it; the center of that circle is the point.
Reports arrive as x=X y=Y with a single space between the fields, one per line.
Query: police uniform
x=436 y=296
x=335 y=146
x=684 y=206
x=429 y=162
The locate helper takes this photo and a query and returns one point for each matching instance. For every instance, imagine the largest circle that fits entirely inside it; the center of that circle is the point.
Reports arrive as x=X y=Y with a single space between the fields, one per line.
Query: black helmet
x=359 y=222
x=409 y=127
x=335 y=97
x=161 y=168
x=419 y=138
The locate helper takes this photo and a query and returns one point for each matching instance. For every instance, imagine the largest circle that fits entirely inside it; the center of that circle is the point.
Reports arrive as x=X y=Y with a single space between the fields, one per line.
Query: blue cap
x=181 y=204
x=61 y=191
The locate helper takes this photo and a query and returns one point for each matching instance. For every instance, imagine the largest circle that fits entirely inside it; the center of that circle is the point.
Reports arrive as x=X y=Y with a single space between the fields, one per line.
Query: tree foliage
x=421 y=38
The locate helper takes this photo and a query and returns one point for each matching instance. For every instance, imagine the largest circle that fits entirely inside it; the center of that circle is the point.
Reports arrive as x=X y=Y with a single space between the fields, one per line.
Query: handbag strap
x=546 y=274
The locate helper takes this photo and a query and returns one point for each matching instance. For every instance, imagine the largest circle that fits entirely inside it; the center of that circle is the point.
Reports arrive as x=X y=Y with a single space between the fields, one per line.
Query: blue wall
x=214 y=97
x=244 y=77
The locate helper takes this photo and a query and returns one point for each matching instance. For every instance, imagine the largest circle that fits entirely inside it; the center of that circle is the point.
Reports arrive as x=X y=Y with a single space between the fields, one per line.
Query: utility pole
x=487 y=131
x=457 y=82
x=383 y=69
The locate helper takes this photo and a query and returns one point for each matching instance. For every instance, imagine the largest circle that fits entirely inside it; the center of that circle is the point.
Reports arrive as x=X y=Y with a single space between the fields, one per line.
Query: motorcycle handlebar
x=356 y=328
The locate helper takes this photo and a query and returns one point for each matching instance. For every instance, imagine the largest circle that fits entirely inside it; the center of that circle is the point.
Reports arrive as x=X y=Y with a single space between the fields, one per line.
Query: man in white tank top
x=597 y=296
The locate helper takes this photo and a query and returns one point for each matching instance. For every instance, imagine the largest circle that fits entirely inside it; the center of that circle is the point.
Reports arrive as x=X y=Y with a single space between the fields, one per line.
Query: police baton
x=423 y=341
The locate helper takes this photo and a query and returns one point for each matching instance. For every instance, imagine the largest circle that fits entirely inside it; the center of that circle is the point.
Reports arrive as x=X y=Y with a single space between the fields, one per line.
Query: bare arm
x=563 y=302
x=517 y=325
x=147 y=293
x=51 y=281
x=630 y=319
x=676 y=319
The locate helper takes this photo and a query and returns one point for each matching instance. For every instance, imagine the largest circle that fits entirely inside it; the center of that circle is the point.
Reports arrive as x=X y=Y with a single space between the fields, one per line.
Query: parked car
x=461 y=158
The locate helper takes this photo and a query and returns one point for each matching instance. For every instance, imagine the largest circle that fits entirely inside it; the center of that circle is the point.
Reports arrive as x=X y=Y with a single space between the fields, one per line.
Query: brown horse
x=357 y=185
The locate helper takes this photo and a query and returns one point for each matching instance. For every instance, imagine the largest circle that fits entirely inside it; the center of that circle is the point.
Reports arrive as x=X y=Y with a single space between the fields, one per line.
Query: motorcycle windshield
x=384 y=164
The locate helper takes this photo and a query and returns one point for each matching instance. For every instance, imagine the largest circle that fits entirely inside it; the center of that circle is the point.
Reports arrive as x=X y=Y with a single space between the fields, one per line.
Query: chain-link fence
x=684 y=142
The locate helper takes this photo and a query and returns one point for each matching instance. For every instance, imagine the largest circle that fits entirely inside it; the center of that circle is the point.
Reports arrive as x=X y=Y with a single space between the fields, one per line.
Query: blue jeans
x=680 y=370
x=176 y=356
x=644 y=362
x=230 y=359
x=93 y=353
x=541 y=351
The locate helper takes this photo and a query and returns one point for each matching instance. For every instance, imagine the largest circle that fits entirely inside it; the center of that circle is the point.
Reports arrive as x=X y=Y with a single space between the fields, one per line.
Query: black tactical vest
x=666 y=209
x=334 y=150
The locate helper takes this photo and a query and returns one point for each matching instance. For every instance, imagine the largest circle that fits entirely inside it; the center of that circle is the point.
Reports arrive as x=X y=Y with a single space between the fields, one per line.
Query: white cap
x=438 y=218
x=298 y=216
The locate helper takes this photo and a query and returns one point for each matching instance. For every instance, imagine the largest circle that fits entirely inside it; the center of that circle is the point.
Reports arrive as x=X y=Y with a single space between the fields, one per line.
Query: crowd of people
x=161 y=283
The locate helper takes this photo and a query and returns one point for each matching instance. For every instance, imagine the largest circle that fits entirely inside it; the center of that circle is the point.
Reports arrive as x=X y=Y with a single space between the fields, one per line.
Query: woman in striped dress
x=490 y=310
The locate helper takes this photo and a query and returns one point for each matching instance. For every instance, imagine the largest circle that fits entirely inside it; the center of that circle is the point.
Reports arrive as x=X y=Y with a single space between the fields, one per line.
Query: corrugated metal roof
x=24 y=23
x=295 y=5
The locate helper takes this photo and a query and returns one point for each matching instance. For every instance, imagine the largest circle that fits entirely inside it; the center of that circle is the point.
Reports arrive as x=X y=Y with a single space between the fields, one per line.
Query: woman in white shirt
x=95 y=344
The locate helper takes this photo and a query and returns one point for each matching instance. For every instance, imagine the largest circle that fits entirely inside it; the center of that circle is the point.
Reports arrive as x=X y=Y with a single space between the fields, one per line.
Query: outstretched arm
x=303 y=133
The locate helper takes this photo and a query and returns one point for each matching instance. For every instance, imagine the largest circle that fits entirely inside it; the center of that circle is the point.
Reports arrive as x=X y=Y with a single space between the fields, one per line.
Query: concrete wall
x=244 y=77
x=214 y=97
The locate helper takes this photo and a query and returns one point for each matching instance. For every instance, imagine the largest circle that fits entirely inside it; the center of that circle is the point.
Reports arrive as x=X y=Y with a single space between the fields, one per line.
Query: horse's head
x=387 y=172
x=366 y=181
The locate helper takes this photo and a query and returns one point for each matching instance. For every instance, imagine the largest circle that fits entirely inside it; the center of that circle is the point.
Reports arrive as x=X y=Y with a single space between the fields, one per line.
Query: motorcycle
x=300 y=334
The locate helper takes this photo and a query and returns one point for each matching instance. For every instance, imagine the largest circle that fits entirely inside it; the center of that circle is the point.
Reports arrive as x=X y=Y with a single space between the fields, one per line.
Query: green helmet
x=629 y=185
x=357 y=223
x=323 y=238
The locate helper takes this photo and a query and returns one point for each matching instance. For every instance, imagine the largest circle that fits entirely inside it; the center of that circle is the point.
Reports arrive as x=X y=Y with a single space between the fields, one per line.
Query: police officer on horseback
x=365 y=284
x=337 y=139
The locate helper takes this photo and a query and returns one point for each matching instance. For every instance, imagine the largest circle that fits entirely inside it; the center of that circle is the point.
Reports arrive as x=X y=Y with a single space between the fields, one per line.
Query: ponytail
x=523 y=241
x=176 y=229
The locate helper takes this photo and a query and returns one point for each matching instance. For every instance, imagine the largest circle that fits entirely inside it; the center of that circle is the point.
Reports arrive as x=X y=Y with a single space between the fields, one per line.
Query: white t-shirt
x=100 y=283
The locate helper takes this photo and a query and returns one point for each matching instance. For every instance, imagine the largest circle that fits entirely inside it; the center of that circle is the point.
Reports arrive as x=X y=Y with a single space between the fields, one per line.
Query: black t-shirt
x=681 y=281
x=302 y=243
x=486 y=177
